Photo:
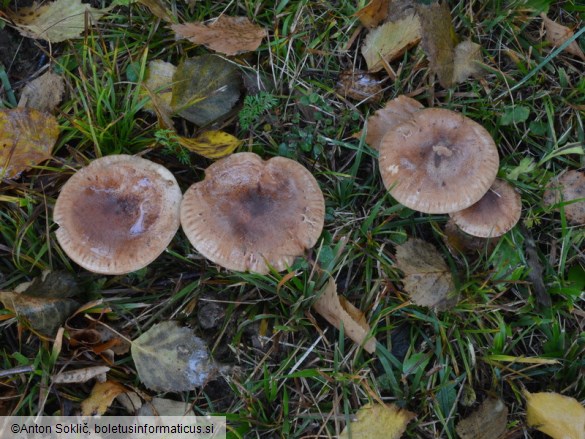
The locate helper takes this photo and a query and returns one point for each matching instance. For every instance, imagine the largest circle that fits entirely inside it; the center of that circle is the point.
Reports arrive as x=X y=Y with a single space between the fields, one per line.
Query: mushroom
x=439 y=161
x=497 y=212
x=566 y=188
x=117 y=214
x=249 y=214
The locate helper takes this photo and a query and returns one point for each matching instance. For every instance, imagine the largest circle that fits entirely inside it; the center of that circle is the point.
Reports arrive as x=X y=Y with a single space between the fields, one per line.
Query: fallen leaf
x=427 y=278
x=43 y=93
x=157 y=7
x=373 y=13
x=389 y=41
x=338 y=311
x=101 y=397
x=376 y=421
x=396 y=111
x=57 y=21
x=514 y=115
x=559 y=416
x=557 y=34
x=487 y=422
x=227 y=35
x=81 y=375
x=130 y=401
x=166 y=407
x=359 y=85
x=158 y=86
x=27 y=137
x=171 y=358
x=58 y=284
x=438 y=37
x=211 y=144
x=205 y=88
x=467 y=62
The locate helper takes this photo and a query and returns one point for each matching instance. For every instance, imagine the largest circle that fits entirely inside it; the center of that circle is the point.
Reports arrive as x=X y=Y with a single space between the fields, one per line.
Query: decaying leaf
x=57 y=21
x=396 y=111
x=43 y=93
x=101 y=397
x=557 y=34
x=130 y=401
x=158 y=85
x=58 y=284
x=359 y=85
x=81 y=375
x=375 y=421
x=467 y=62
x=27 y=138
x=211 y=144
x=561 y=417
x=389 y=41
x=227 y=35
x=205 y=88
x=373 y=13
x=427 y=278
x=157 y=7
x=166 y=407
x=487 y=422
x=438 y=37
x=338 y=311
x=171 y=358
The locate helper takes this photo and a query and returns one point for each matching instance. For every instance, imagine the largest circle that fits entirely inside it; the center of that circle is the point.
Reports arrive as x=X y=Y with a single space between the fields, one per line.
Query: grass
x=295 y=375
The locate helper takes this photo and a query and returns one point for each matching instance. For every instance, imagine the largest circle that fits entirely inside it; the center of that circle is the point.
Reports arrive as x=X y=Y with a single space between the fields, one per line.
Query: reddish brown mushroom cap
x=497 y=212
x=117 y=214
x=248 y=212
x=565 y=188
x=439 y=161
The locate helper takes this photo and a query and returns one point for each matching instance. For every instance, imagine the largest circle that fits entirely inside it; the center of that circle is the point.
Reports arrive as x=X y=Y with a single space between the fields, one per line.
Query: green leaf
x=514 y=115
x=205 y=88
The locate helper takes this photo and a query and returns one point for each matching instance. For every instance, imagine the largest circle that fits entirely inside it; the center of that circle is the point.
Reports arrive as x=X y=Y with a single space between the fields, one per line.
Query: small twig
x=15 y=370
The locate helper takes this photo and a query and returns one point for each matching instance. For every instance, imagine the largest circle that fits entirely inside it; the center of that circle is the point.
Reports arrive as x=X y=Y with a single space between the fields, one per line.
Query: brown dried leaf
x=557 y=34
x=487 y=422
x=81 y=375
x=396 y=111
x=158 y=9
x=559 y=416
x=359 y=85
x=389 y=41
x=373 y=13
x=227 y=35
x=101 y=397
x=468 y=61
x=427 y=278
x=27 y=137
x=43 y=93
x=338 y=311
x=438 y=37
x=376 y=421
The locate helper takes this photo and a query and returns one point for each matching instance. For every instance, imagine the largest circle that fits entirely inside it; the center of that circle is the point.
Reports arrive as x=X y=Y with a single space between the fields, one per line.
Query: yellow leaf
x=101 y=398
x=387 y=42
x=57 y=21
x=373 y=13
x=557 y=34
x=338 y=311
x=561 y=417
x=375 y=421
x=27 y=137
x=211 y=144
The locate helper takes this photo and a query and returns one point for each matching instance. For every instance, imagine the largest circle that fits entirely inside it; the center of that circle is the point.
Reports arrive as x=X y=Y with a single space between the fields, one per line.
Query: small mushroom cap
x=439 y=161
x=568 y=187
x=248 y=212
x=497 y=212
x=117 y=214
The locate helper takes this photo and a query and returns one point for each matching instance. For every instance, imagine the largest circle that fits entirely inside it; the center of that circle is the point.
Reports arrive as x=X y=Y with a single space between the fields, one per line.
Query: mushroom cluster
x=438 y=161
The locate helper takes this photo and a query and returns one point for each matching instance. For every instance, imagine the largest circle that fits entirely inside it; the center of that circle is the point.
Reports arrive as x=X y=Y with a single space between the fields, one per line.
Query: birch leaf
x=211 y=144
x=557 y=34
x=101 y=397
x=373 y=13
x=376 y=421
x=487 y=422
x=158 y=85
x=338 y=311
x=561 y=417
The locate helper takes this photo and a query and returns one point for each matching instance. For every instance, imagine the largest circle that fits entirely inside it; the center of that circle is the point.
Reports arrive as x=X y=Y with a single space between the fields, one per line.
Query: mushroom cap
x=567 y=187
x=249 y=214
x=497 y=212
x=439 y=161
x=117 y=214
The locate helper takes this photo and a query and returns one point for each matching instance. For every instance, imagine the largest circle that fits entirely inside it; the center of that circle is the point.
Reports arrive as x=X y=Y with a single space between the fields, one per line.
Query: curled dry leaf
x=559 y=416
x=43 y=93
x=359 y=85
x=487 y=422
x=338 y=311
x=427 y=278
x=101 y=397
x=373 y=13
x=211 y=144
x=81 y=375
x=396 y=111
x=27 y=138
x=227 y=35
x=557 y=34
x=389 y=41
x=57 y=21
x=376 y=421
